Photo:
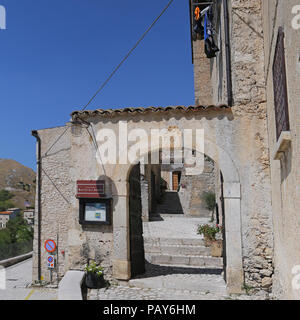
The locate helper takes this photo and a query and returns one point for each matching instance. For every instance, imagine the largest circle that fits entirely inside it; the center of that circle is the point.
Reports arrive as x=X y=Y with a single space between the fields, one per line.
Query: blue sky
x=55 y=54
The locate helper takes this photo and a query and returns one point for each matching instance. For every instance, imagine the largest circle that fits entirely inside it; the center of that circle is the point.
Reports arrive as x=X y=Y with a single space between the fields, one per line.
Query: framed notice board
x=93 y=211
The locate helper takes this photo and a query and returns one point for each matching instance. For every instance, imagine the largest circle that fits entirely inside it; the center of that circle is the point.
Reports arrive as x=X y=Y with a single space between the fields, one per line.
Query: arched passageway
x=229 y=213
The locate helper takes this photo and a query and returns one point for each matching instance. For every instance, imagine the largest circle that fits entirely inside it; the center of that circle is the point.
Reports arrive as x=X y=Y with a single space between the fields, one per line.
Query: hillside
x=19 y=180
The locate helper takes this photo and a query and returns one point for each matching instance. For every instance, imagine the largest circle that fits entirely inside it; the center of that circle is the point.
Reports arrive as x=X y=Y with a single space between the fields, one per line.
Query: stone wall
x=60 y=212
x=247 y=137
x=285 y=174
x=86 y=241
x=201 y=75
x=56 y=192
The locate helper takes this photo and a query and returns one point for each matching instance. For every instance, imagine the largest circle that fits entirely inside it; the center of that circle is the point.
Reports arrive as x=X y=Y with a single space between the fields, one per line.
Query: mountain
x=19 y=180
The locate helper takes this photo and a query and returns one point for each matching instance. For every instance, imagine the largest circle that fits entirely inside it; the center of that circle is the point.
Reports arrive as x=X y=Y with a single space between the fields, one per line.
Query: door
x=137 y=255
x=176 y=175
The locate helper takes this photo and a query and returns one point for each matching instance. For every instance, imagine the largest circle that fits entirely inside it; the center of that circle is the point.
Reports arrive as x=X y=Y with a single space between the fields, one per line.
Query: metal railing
x=15 y=249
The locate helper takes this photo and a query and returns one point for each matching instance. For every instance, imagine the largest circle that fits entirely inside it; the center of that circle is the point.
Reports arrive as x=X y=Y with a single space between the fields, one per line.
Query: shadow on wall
x=286 y=164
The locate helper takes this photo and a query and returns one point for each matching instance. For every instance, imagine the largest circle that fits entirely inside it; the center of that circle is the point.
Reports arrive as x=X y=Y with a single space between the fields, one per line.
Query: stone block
x=70 y=287
x=121 y=269
x=232 y=190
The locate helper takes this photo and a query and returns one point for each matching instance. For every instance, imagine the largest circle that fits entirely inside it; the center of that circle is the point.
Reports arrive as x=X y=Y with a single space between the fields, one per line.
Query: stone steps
x=186 y=250
x=185 y=261
x=173 y=241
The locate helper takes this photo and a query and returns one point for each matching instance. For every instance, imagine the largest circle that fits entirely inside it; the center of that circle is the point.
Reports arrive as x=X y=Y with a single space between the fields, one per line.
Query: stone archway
x=233 y=234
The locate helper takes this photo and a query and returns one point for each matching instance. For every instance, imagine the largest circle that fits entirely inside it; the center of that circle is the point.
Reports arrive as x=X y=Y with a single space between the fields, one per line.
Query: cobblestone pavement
x=18 y=281
x=123 y=292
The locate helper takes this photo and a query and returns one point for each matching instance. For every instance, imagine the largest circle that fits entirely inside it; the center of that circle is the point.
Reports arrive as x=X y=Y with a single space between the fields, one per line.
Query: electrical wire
x=115 y=70
x=127 y=55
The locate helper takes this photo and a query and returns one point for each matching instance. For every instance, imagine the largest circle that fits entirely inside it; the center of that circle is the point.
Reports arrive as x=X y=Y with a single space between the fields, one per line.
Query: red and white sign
x=50 y=245
x=90 y=188
x=51 y=261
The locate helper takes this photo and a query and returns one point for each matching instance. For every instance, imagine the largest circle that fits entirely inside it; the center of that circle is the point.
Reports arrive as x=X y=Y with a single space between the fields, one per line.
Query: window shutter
x=280 y=87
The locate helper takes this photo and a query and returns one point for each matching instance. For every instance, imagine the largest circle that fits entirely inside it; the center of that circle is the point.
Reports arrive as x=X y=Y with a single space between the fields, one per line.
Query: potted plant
x=216 y=249
x=209 y=232
x=94 y=276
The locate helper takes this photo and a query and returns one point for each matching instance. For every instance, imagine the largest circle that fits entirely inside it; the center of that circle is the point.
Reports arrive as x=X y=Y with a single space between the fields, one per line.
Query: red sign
x=90 y=188
x=50 y=245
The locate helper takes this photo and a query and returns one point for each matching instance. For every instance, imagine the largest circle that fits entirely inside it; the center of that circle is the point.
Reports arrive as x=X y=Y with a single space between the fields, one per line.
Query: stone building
x=5 y=216
x=256 y=192
x=282 y=74
x=28 y=215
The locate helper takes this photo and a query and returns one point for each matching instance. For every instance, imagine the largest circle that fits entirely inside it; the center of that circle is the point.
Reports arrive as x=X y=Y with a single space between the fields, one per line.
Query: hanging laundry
x=197 y=13
x=197 y=21
x=210 y=46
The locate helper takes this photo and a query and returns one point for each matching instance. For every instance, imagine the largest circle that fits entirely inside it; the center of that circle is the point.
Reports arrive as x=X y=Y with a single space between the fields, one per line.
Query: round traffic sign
x=50 y=245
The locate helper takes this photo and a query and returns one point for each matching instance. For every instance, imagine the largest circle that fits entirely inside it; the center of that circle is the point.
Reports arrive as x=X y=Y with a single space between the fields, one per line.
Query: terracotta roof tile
x=128 y=110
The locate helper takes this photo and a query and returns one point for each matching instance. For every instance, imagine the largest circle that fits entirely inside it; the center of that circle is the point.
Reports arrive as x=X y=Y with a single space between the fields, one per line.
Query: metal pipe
x=228 y=54
x=35 y=134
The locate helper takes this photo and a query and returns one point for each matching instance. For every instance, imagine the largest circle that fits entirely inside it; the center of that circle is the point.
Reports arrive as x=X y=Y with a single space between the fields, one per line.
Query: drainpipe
x=228 y=54
x=36 y=135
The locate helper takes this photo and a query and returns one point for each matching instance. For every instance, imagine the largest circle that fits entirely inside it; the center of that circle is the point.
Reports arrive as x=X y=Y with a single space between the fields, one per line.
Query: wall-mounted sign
x=90 y=188
x=50 y=261
x=95 y=211
x=50 y=245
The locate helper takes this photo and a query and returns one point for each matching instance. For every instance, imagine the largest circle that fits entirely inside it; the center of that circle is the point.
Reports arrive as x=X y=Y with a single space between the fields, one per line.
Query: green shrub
x=209 y=231
x=209 y=198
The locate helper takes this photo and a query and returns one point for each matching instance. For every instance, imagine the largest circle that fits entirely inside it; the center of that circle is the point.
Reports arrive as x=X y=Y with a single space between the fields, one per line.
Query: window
x=280 y=87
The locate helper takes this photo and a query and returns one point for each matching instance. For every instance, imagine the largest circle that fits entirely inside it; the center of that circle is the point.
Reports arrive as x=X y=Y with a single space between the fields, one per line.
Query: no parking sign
x=50 y=261
x=50 y=245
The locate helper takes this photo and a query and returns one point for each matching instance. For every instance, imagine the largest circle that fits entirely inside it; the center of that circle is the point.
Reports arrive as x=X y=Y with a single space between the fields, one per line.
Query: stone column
x=234 y=262
x=144 y=194
x=121 y=254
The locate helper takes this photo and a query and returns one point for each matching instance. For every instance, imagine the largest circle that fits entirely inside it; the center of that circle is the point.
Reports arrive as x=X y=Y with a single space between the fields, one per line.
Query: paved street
x=133 y=293
x=18 y=280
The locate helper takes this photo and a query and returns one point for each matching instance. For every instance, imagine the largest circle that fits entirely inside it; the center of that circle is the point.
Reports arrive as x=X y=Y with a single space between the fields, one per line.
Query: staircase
x=170 y=204
x=181 y=264
x=177 y=259
x=178 y=252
